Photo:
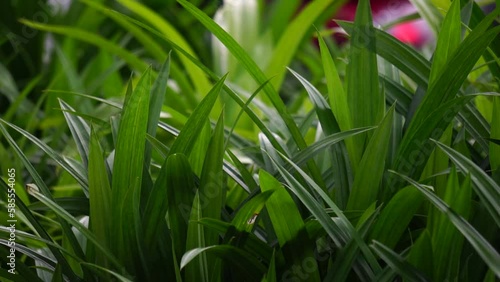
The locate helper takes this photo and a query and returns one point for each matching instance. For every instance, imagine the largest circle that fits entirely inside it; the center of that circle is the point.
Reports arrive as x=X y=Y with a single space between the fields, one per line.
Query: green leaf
x=342 y=174
x=34 y=191
x=211 y=180
x=257 y=74
x=417 y=68
x=282 y=210
x=128 y=167
x=395 y=217
x=91 y=38
x=366 y=102
x=153 y=47
x=447 y=256
x=251 y=242
x=99 y=195
x=421 y=254
x=246 y=263
x=228 y=90
x=197 y=120
x=340 y=232
x=281 y=13
x=155 y=103
x=211 y=191
x=336 y=94
x=495 y=135
x=246 y=217
x=120 y=278
x=448 y=40
x=320 y=145
x=198 y=269
x=287 y=224
x=291 y=38
x=80 y=131
x=402 y=56
x=45 y=190
x=417 y=137
x=398 y=263
x=447 y=84
x=198 y=78
x=368 y=177
x=485 y=187
x=80 y=178
x=271 y=271
x=485 y=250
x=430 y=13
x=175 y=186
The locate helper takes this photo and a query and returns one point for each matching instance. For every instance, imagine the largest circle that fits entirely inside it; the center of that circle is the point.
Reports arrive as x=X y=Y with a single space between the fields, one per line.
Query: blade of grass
x=35 y=224
x=282 y=12
x=282 y=210
x=17 y=105
x=173 y=191
x=400 y=55
x=120 y=278
x=418 y=69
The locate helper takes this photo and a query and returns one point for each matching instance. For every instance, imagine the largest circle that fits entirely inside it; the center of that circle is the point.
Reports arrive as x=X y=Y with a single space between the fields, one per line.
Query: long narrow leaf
x=487 y=252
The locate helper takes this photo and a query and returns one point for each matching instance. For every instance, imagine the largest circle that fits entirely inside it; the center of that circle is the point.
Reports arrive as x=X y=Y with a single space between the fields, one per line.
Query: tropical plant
x=363 y=162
